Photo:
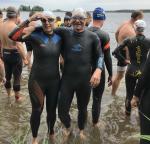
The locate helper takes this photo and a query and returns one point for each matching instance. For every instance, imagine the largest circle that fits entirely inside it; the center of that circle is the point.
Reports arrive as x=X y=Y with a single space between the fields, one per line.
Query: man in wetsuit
x=81 y=53
x=142 y=100
x=12 y=52
x=137 y=47
x=44 y=77
x=124 y=31
x=98 y=21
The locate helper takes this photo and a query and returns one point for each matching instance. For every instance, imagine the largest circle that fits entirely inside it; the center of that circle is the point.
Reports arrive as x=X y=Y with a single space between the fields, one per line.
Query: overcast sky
x=86 y=4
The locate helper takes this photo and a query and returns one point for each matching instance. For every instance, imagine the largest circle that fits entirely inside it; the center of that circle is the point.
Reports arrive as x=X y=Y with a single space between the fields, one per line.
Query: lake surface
x=115 y=127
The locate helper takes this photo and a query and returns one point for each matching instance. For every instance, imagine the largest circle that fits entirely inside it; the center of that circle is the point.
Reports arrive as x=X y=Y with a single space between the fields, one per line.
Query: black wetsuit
x=142 y=91
x=44 y=78
x=81 y=52
x=29 y=46
x=98 y=91
x=138 y=48
x=13 y=66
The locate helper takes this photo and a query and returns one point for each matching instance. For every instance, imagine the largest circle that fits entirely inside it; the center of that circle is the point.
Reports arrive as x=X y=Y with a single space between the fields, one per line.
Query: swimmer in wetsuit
x=142 y=100
x=124 y=31
x=81 y=53
x=138 y=48
x=44 y=77
x=98 y=21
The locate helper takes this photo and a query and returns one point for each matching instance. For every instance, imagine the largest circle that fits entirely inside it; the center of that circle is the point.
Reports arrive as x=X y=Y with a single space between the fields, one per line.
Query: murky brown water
x=114 y=127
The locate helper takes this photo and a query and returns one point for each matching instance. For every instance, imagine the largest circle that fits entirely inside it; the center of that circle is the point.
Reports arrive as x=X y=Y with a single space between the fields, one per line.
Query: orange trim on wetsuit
x=17 y=34
x=107 y=46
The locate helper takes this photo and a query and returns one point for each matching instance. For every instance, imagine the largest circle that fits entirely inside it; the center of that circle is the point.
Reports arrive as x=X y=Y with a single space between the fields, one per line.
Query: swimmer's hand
x=127 y=61
x=37 y=16
x=109 y=81
x=2 y=80
x=134 y=102
x=25 y=61
x=95 y=79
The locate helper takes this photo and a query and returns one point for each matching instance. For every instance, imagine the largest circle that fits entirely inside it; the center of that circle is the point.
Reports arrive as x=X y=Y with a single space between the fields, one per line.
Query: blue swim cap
x=99 y=14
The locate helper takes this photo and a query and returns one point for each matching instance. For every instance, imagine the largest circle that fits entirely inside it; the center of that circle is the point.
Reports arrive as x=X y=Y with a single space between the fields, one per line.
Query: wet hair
x=1 y=12
x=67 y=18
x=32 y=13
x=68 y=14
x=58 y=18
x=88 y=14
x=136 y=13
x=12 y=12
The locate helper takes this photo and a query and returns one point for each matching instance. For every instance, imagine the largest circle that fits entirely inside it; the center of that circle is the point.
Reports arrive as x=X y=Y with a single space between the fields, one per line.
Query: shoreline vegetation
x=39 y=8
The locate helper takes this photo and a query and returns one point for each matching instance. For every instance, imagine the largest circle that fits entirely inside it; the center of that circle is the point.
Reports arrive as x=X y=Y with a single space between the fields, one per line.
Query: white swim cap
x=79 y=12
x=49 y=14
x=140 y=25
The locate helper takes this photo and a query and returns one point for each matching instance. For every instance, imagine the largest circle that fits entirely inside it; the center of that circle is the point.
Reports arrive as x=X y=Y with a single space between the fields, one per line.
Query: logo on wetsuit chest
x=77 y=48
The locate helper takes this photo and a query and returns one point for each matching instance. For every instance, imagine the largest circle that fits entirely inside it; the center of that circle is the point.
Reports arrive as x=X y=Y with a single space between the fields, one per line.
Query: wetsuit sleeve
x=143 y=81
x=61 y=31
x=17 y=33
x=107 y=56
x=117 y=53
x=98 y=54
x=29 y=46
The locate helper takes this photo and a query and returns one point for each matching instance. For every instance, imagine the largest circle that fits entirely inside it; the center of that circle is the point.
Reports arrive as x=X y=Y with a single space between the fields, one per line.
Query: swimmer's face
x=78 y=23
x=48 y=24
x=67 y=22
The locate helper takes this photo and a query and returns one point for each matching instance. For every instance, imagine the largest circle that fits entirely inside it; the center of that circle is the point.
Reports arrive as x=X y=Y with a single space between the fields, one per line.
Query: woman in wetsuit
x=138 y=48
x=44 y=77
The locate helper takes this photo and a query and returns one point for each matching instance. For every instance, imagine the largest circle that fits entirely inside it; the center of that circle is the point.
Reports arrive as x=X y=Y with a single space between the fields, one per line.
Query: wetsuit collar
x=48 y=34
x=78 y=33
x=140 y=36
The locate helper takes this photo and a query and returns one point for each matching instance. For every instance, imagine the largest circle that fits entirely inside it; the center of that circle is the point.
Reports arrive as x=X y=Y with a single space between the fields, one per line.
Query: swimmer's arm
x=2 y=71
x=98 y=54
x=98 y=62
x=143 y=81
x=23 y=30
x=117 y=52
x=116 y=35
x=21 y=50
x=18 y=33
x=107 y=57
x=61 y=31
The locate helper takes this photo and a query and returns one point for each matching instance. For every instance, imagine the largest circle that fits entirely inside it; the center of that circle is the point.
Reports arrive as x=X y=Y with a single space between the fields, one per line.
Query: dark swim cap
x=99 y=14
x=67 y=18
x=12 y=12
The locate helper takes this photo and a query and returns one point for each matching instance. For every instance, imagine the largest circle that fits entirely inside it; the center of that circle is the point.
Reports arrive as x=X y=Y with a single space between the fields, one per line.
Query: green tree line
x=28 y=8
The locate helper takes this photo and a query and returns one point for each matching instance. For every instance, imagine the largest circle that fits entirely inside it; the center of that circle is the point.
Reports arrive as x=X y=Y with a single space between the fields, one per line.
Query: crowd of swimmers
x=70 y=58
